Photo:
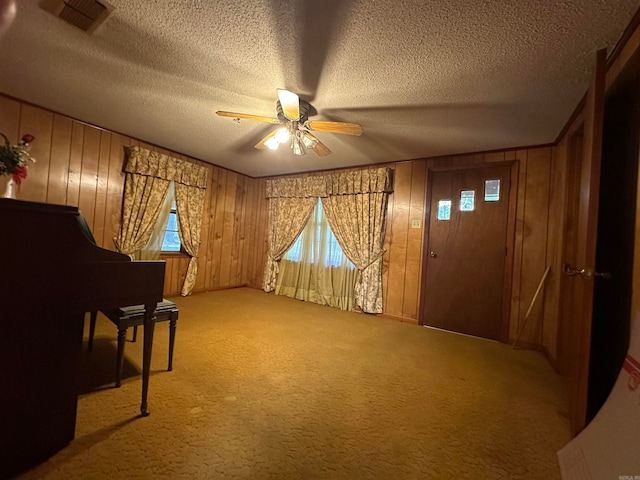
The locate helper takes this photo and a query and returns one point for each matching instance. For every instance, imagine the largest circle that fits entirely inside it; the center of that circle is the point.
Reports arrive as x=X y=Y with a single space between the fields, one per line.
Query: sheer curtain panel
x=287 y=218
x=315 y=269
x=153 y=248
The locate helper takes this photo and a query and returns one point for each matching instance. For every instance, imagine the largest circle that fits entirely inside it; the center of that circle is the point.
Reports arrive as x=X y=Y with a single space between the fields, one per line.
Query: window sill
x=168 y=255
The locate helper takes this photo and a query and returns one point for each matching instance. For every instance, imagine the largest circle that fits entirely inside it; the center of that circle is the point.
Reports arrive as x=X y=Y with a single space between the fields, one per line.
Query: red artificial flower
x=28 y=138
x=19 y=173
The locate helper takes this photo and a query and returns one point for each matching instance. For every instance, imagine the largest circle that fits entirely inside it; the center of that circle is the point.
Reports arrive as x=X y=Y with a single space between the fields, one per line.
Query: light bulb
x=308 y=141
x=272 y=143
x=298 y=147
x=282 y=135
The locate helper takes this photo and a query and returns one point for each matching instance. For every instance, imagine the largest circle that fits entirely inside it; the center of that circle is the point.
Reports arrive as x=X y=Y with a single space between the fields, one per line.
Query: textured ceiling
x=423 y=78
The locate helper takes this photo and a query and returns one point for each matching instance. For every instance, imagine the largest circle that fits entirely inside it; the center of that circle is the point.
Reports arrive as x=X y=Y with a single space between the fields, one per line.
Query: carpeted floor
x=266 y=387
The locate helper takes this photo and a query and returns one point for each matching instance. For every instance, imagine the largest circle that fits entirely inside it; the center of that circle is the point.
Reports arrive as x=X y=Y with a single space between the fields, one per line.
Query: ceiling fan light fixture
x=298 y=146
x=282 y=135
x=308 y=141
x=294 y=125
x=272 y=143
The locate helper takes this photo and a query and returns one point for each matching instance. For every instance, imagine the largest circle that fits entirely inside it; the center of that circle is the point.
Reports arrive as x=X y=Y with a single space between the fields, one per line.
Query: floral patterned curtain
x=359 y=224
x=148 y=175
x=189 y=205
x=315 y=269
x=143 y=198
x=153 y=248
x=287 y=218
x=356 y=207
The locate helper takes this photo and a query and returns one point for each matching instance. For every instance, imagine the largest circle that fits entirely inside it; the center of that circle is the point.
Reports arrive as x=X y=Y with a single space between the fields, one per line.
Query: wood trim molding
x=503 y=334
x=398 y=318
x=152 y=145
x=425 y=246
x=576 y=113
x=613 y=56
x=626 y=35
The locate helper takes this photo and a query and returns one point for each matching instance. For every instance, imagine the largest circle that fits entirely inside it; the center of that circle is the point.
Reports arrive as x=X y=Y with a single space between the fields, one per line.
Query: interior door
x=611 y=325
x=580 y=270
x=467 y=250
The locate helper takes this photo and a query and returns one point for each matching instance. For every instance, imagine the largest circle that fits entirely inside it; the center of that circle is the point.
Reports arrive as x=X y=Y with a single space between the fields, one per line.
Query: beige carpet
x=267 y=387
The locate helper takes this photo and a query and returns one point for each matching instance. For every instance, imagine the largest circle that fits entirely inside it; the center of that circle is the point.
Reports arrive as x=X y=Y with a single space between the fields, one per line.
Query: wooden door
x=613 y=285
x=466 y=250
x=580 y=270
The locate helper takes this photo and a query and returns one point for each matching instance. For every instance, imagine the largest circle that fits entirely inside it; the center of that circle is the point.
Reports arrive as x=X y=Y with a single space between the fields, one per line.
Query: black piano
x=51 y=273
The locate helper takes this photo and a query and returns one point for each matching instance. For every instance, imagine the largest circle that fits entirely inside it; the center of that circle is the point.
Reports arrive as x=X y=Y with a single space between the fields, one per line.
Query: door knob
x=572 y=271
x=585 y=272
x=433 y=254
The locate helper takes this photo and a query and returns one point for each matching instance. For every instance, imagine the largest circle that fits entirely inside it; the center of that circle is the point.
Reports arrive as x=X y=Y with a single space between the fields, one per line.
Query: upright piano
x=51 y=273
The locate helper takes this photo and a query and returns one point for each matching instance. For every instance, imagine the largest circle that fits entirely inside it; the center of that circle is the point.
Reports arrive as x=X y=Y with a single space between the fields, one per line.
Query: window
x=315 y=269
x=294 y=253
x=164 y=237
x=467 y=200
x=171 y=242
x=492 y=190
x=323 y=244
x=444 y=210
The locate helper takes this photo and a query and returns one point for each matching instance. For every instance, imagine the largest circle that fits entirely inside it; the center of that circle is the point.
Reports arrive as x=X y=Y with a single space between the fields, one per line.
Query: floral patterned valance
x=373 y=180
x=158 y=165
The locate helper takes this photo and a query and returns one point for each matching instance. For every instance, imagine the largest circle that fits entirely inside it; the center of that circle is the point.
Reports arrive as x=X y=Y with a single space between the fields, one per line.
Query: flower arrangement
x=14 y=158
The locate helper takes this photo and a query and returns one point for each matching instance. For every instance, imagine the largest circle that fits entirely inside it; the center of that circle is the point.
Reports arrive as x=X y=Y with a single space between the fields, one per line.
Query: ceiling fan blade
x=316 y=145
x=321 y=149
x=335 y=127
x=261 y=144
x=290 y=103
x=247 y=116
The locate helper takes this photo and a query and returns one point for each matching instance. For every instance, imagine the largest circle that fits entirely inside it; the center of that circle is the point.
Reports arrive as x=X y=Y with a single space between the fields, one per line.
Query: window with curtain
x=315 y=269
x=170 y=236
x=165 y=236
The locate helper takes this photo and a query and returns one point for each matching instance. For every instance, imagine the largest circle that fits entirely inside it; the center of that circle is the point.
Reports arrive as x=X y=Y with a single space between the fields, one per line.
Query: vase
x=10 y=191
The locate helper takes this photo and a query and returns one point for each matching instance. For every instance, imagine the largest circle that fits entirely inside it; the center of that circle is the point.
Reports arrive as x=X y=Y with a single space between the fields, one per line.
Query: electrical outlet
x=415 y=223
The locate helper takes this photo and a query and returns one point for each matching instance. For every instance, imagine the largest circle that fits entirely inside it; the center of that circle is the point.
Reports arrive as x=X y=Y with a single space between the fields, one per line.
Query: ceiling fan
x=293 y=116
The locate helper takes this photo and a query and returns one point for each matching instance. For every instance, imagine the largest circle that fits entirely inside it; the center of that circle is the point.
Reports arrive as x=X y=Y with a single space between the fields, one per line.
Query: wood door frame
x=589 y=185
x=566 y=323
x=503 y=332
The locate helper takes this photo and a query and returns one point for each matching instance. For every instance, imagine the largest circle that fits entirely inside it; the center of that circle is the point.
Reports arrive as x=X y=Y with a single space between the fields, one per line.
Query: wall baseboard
x=398 y=318
x=527 y=346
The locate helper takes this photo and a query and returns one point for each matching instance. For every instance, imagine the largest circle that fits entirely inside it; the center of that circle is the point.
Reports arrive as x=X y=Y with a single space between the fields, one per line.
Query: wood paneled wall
x=81 y=165
x=402 y=262
x=404 y=257
x=78 y=164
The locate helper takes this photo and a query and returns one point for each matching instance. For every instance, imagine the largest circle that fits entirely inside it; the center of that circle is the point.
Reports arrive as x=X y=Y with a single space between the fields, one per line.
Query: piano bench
x=125 y=317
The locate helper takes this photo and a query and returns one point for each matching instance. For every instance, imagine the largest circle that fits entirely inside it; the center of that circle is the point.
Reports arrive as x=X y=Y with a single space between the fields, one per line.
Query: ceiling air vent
x=87 y=15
